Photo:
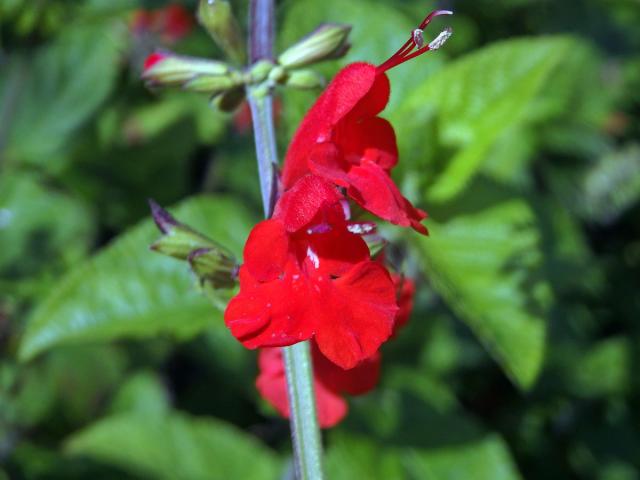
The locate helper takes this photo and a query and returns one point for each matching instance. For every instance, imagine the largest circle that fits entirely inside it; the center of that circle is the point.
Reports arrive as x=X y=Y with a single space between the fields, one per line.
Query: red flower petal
x=375 y=99
x=337 y=251
x=356 y=381
x=299 y=205
x=176 y=22
x=405 y=291
x=272 y=385
x=342 y=95
x=373 y=189
x=266 y=250
x=326 y=161
x=355 y=313
x=271 y=314
x=371 y=139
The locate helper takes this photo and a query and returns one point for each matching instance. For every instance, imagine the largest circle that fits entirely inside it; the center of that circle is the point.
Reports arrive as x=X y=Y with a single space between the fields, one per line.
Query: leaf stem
x=305 y=432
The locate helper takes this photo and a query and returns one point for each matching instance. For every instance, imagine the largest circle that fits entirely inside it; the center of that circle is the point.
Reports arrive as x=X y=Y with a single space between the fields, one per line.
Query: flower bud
x=304 y=80
x=218 y=19
x=214 y=84
x=165 y=69
x=325 y=42
x=213 y=266
x=210 y=261
x=260 y=71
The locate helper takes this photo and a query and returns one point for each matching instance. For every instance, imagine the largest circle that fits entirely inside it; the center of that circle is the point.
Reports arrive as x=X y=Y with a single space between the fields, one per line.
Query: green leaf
x=467 y=106
x=39 y=224
x=175 y=446
x=62 y=386
x=148 y=121
x=352 y=456
x=484 y=459
x=414 y=420
x=484 y=257
x=610 y=187
x=143 y=393
x=604 y=370
x=128 y=291
x=60 y=89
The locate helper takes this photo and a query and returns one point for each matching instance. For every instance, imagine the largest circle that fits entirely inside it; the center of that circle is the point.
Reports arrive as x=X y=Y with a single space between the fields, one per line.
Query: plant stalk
x=305 y=431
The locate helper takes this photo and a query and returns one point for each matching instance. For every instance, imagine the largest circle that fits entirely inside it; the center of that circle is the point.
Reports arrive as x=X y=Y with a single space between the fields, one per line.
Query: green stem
x=305 y=432
x=262 y=114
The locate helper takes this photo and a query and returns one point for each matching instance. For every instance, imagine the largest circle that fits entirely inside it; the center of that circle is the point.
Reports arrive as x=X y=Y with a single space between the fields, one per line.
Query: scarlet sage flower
x=343 y=140
x=306 y=275
x=330 y=382
x=405 y=291
x=172 y=22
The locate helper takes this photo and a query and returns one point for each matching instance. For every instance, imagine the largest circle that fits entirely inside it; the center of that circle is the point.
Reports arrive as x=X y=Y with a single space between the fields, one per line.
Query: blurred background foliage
x=522 y=140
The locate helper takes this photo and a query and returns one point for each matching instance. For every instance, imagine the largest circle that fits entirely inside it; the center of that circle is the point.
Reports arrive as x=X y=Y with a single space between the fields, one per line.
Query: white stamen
x=361 y=228
x=440 y=40
x=313 y=256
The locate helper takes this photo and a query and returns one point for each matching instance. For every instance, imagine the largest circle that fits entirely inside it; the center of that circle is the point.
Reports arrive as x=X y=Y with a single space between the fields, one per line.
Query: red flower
x=330 y=383
x=175 y=22
x=306 y=275
x=405 y=291
x=344 y=141
x=172 y=22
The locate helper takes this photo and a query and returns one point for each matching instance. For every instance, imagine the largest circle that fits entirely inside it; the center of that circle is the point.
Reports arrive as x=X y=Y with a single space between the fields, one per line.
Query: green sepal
x=218 y=19
x=209 y=260
x=327 y=41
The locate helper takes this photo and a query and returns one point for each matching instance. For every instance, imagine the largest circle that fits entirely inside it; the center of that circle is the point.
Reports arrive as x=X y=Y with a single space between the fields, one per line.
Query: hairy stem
x=267 y=155
x=304 y=421
x=305 y=432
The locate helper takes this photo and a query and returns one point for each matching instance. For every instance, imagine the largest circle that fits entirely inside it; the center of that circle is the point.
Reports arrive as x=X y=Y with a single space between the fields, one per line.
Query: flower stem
x=262 y=114
x=305 y=432
x=304 y=421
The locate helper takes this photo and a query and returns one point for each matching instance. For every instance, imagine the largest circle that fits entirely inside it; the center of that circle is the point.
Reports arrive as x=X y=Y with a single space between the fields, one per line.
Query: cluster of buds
x=226 y=82
x=212 y=263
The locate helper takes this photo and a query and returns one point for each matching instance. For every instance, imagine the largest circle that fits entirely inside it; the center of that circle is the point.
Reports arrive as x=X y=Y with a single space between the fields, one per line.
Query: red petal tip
x=153 y=59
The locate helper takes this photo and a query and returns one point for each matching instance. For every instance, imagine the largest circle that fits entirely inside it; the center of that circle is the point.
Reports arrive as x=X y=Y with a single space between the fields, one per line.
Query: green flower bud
x=210 y=261
x=213 y=84
x=194 y=74
x=214 y=267
x=325 y=42
x=218 y=19
x=278 y=74
x=165 y=69
x=304 y=80
x=260 y=71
